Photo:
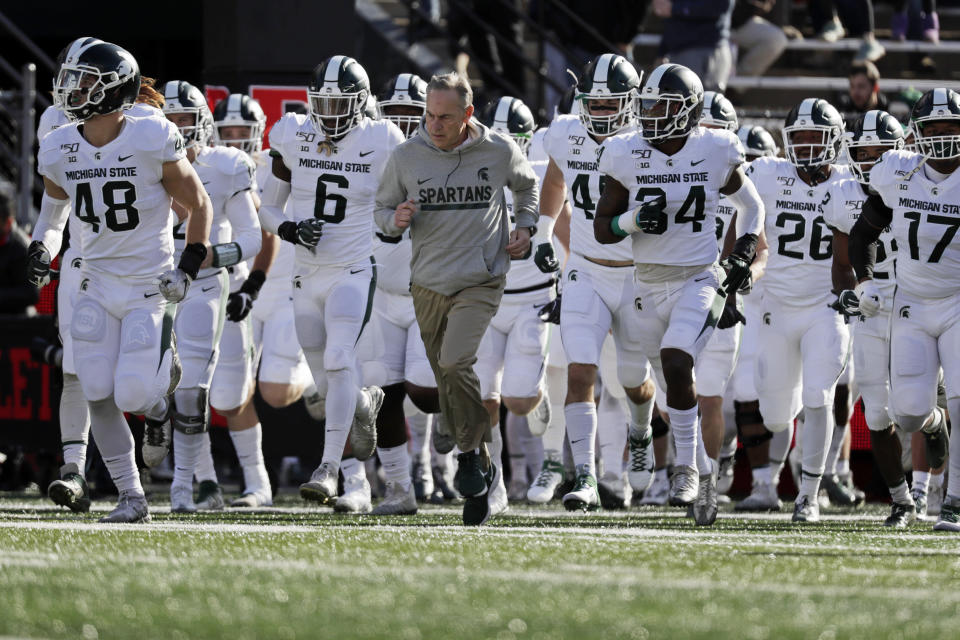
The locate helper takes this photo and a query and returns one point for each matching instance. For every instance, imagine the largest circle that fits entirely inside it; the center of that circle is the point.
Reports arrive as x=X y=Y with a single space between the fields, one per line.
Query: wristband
x=251 y=286
x=288 y=231
x=624 y=224
x=226 y=254
x=191 y=258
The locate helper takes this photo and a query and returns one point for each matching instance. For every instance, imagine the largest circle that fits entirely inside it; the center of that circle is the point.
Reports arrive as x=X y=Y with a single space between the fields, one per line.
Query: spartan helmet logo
x=637 y=304
x=905 y=311
x=766 y=318
x=572 y=276
x=482 y=174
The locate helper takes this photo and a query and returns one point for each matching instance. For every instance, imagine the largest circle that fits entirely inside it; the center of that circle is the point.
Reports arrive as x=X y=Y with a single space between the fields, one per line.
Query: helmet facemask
x=198 y=133
x=78 y=89
x=937 y=145
x=864 y=153
x=619 y=115
x=335 y=113
x=401 y=113
x=820 y=149
x=665 y=115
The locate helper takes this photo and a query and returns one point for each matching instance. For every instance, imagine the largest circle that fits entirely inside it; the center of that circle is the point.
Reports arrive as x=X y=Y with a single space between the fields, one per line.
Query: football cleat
x=584 y=495
x=252 y=501
x=476 y=508
x=659 y=491
x=763 y=497
x=839 y=493
x=901 y=515
x=684 y=486
x=322 y=486
x=157 y=437
x=937 y=445
x=640 y=472
x=612 y=490
x=518 y=490
x=356 y=496
x=443 y=486
x=725 y=475
x=443 y=440
x=209 y=496
x=363 y=433
x=545 y=484
x=806 y=510
x=398 y=501
x=70 y=490
x=181 y=499
x=132 y=507
x=705 y=507
x=949 y=519
x=469 y=479
x=919 y=501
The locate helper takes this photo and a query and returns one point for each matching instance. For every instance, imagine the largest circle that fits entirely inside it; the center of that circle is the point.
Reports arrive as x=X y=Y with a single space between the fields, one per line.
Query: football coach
x=446 y=185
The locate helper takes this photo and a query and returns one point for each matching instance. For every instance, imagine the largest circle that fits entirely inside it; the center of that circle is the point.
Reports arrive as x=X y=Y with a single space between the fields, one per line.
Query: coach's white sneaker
x=363 y=433
x=659 y=491
x=705 y=507
x=252 y=501
x=805 y=510
x=545 y=484
x=398 y=501
x=763 y=497
x=684 y=485
x=210 y=496
x=640 y=472
x=356 y=496
x=322 y=486
x=132 y=507
x=181 y=499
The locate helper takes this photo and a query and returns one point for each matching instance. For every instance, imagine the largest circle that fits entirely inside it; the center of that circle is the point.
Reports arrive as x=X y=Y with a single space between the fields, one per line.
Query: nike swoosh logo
x=366 y=153
x=206 y=183
x=576 y=441
x=352 y=272
x=693 y=164
x=419 y=182
x=122 y=158
x=700 y=279
x=150 y=295
x=211 y=288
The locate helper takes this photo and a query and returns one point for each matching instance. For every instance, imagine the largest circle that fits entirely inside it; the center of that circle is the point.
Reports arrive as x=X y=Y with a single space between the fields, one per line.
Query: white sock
x=901 y=494
x=684 y=424
x=74 y=422
x=581 y=418
x=203 y=470
x=817 y=430
x=342 y=397
x=248 y=446
x=761 y=475
x=640 y=415
x=921 y=481
x=420 y=436
x=396 y=464
x=843 y=465
x=352 y=468
x=705 y=464
x=115 y=442
x=612 y=432
x=186 y=450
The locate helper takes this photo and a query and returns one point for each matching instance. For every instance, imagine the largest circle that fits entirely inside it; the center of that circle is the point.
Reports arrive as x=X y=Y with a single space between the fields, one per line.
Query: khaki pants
x=452 y=327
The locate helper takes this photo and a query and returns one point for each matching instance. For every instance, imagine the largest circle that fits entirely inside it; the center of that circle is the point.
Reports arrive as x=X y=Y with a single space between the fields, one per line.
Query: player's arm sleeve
x=523 y=183
x=749 y=205
x=390 y=193
x=276 y=189
x=242 y=213
x=53 y=218
x=862 y=244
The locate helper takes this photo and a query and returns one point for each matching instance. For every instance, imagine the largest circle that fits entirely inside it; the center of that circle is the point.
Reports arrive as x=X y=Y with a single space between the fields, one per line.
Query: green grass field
x=299 y=572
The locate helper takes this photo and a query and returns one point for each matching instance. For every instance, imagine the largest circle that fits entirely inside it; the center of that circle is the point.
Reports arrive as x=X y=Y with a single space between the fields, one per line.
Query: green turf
x=305 y=573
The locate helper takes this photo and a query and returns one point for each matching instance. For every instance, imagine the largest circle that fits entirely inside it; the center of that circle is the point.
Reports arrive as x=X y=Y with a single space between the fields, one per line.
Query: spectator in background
x=502 y=59
x=833 y=18
x=16 y=294
x=759 y=41
x=863 y=94
x=696 y=34
x=929 y=22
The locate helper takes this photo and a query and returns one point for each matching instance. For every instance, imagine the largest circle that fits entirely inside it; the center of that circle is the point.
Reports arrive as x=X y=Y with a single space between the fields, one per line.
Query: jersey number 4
x=696 y=198
x=119 y=216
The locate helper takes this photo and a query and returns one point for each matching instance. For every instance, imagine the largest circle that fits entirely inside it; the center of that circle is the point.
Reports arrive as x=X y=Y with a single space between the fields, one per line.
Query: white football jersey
x=569 y=145
x=842 y=218
x=335 y=182
x=224 y=172
x=690 y=180
x=525 y=273
x=801 y=244
x=280 y=276
x=725 y=212
x=393 y=255
x=116 y=193
x=926 y=216
x=537 y=152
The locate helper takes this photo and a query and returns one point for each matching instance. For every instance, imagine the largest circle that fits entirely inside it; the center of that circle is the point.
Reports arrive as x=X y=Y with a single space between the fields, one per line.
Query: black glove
x=737 y=264
x=546 y=258
x=650 y=216
x=550 y=312
x=38 y=264
x=730 y=316
x=305 y=233
x=847 y=303
x=240 y=302
x=43 y=350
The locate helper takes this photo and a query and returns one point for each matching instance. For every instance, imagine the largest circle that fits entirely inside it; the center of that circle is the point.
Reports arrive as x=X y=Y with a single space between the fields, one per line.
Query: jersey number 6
x=339 y=201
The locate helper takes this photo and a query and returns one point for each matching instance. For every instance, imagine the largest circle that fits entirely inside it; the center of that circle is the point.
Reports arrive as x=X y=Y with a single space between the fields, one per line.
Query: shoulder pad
x=52 y=118
x=151 y=134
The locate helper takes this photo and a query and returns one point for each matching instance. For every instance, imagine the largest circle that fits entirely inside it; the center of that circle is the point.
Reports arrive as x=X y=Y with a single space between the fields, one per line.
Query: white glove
x=174 y=285
x=870 y=298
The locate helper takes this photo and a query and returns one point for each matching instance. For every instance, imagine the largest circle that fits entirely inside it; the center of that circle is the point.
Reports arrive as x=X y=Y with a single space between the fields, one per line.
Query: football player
x=597 y=282
x=512 y=354
x=228 y=176
x=119 y=174
x=874 y=133
x=662 y=190
x=403 y=101
x=328 y=164
x=803 y=343
x=915 y=197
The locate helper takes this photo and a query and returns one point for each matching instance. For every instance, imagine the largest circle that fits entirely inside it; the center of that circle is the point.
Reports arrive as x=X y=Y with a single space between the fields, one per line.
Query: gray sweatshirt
x=461 y=226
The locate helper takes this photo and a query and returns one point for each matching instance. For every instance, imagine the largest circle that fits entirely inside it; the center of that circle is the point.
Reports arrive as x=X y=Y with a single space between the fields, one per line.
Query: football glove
x=731 y=316
x=739 y=279
x=306 y=233
x=545 y=258
x=240 y=302
x=38 y=264
x=175 y=282
x=847 y=303
x=650 y=216
x=550 y=312
x=870 y=298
